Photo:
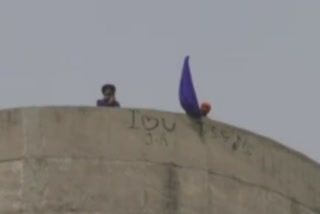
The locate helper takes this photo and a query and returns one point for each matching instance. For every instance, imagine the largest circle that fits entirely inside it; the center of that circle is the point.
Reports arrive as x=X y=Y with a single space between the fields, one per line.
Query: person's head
x=205 y=108
x=108 y=90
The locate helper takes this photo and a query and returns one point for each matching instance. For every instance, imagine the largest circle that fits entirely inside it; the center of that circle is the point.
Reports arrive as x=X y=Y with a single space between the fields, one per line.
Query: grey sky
x=256 y=61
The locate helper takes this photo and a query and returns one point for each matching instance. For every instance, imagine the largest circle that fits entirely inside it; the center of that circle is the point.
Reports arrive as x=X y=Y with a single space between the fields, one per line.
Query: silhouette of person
x=109 y=98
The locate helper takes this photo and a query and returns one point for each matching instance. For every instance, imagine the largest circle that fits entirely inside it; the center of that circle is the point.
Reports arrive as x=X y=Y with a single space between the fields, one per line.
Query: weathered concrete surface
x=83 y=160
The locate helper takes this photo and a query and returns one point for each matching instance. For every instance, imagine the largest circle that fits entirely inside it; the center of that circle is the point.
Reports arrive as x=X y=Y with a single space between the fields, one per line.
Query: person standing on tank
x=109 y=96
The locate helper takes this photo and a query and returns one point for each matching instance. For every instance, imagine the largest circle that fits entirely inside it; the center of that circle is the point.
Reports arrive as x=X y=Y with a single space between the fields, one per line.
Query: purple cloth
x=104 y=102
x=187 y=94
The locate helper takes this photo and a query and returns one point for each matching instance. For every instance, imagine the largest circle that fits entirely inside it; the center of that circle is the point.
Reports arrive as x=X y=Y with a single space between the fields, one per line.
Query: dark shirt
x=104 y=102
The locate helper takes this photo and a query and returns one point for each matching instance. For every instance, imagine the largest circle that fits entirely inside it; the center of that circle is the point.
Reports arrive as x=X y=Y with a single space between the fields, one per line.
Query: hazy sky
x=256 y=61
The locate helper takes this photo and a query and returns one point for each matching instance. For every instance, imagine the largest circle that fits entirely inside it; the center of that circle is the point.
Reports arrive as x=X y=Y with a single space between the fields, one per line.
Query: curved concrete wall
x=83 y=160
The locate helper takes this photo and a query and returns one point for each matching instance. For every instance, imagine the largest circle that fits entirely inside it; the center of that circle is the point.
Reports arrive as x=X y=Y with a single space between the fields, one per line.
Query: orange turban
x=205 y=106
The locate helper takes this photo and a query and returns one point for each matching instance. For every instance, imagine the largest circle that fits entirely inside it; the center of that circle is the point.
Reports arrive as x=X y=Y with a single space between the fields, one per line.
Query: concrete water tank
x=87 y=160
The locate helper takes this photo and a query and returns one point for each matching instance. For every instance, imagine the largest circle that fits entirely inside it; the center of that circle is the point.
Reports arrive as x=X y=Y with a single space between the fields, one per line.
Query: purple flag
x=187 y=94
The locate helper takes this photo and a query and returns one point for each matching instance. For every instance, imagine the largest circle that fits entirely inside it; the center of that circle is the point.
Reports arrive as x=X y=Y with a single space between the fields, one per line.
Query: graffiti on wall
x=232 y=138
x=160 y=131
x=157 y=130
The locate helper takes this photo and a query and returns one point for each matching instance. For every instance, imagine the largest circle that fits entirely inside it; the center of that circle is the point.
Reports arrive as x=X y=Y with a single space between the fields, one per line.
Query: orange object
x=205 y=106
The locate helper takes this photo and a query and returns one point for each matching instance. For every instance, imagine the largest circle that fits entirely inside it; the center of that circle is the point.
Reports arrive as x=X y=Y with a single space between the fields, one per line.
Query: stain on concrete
x=10 y=118
x=171 y=191
x=294 y=208
x=235 y=146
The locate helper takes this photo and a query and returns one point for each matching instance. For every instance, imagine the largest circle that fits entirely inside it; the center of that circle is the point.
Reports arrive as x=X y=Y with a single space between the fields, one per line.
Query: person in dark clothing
x=109 y=98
